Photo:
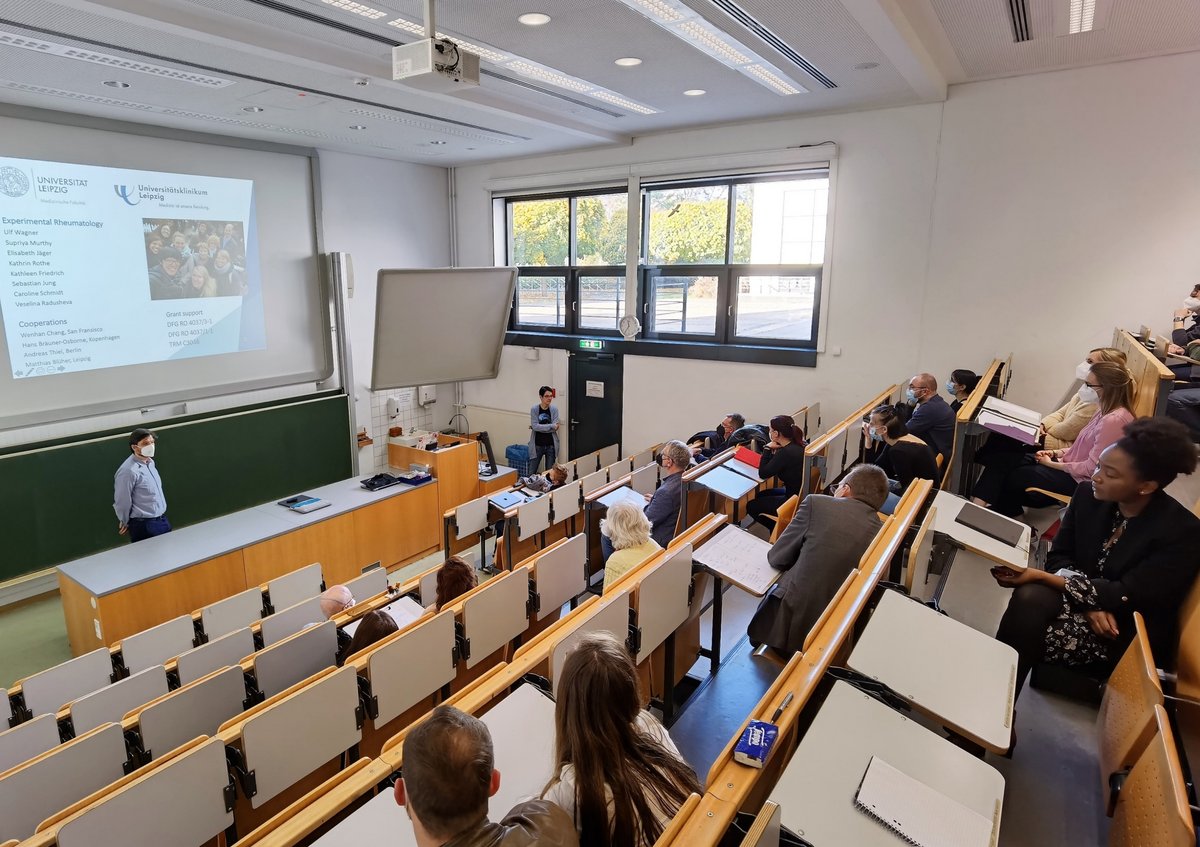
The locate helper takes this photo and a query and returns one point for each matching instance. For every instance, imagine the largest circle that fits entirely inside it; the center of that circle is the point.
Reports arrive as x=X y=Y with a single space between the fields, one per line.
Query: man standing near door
x=543 y=421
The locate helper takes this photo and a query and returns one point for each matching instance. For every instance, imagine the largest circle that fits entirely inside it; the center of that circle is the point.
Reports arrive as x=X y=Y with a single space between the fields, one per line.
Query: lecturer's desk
x=818 y=787
x=119 y=592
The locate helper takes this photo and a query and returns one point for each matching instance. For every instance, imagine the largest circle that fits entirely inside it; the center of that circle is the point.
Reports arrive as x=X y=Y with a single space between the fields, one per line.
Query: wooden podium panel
x=455 y=466
x=330 y=542
x=395 y=531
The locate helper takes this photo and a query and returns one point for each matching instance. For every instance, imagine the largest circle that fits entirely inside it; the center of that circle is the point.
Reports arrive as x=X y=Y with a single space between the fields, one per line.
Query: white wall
x=1026 y=215
x=385 y=214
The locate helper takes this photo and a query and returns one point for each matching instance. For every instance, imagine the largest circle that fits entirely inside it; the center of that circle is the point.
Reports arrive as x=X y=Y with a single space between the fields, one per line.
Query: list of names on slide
x=104 y=267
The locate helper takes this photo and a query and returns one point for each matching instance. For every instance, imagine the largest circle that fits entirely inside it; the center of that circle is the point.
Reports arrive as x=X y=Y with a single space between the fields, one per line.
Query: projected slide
x=105 y=267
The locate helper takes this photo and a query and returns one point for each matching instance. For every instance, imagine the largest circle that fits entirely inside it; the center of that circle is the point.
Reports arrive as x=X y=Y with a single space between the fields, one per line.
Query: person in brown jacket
x=448 y=778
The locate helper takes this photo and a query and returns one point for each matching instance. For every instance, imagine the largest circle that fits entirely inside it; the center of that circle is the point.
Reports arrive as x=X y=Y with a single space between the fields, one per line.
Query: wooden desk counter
x=455 y=465
x=119 y=592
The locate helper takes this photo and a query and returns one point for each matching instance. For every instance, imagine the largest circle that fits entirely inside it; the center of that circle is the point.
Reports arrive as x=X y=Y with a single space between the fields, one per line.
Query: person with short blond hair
x=628 y=530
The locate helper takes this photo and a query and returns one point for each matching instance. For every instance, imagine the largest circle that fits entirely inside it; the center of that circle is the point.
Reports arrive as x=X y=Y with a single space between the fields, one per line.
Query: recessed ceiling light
x=437 y=142
x=534 y=19
x=866 y=66
x=113 y=83
x=628 y=62
x=357 y=126
x=695 y=92
x=254 y=109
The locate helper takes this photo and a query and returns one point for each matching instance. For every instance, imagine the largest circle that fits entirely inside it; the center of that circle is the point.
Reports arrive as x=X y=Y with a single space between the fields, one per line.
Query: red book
x=744 y=454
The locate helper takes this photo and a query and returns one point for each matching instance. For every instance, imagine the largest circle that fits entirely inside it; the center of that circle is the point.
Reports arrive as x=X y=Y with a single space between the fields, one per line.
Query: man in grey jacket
x=823 y=543
x=543 y=425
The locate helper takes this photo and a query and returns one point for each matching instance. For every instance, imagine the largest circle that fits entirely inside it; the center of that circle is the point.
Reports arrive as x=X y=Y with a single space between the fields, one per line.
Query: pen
x=786 y=702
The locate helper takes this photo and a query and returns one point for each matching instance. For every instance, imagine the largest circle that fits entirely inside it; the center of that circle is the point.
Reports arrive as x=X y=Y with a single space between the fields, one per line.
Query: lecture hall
x=617 y=423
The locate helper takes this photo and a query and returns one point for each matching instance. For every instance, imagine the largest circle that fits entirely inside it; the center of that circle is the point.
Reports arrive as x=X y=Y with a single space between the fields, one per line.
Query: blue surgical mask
x=951 y=388
x=910 y=395
x=875 y=436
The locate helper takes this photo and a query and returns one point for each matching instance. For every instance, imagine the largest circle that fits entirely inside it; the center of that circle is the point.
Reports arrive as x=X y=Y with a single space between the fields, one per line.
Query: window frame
x=774 y=270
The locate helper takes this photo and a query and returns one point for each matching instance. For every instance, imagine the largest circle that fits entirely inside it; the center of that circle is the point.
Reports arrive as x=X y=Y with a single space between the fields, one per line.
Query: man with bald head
x=932 y=419
x=335 y=599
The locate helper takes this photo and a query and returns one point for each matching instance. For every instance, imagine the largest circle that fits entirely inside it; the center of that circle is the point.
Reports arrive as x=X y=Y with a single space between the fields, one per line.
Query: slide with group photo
x=106 y=267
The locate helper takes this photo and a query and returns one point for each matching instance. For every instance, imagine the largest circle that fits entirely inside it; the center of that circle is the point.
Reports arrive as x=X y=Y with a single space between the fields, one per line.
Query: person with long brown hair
x=1002 y=487
x=620 y=776
x=454 y=578
x=782 y=457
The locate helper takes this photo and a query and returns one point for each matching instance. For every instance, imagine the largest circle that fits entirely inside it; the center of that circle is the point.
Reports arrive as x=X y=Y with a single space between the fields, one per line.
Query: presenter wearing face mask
x=932 y=418
x=1002 y=486
x=138 y=497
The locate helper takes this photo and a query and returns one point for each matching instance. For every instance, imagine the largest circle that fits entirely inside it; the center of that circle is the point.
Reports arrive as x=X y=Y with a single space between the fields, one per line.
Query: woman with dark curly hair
x=1124 y=546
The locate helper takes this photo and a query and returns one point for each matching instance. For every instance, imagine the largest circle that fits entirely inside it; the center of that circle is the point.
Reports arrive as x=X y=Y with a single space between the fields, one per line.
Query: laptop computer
x=1005 y=530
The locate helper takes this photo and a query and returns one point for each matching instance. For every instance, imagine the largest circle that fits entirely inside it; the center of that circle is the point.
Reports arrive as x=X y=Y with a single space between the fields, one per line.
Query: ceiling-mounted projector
x=435 y=64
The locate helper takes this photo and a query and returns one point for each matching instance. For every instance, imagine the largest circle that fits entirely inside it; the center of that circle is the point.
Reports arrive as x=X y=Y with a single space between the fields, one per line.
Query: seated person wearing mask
x=1124 y=546
x=960 y=385
x=449 y=774
x=1002 y=486
x=823 y=543
x=904 y=457
x=717 y=438
x=783 y=457
x=1181 y=334
x=1061 y=427
x=662 y=507
x=932 y=419
x=628 y=532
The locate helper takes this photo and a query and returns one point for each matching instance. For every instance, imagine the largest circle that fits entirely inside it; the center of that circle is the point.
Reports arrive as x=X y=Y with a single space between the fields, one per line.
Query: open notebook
x=917 y=813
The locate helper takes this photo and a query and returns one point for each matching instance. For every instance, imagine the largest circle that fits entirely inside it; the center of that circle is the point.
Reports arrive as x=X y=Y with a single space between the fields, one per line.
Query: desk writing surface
x=26 y=740
x=612 y=616
x=948 y=506
x=592 y=481
x=113 y=570
x=608 y=455
x=561 y=574
x=292 y=588
x=522 y=730
x=662 y=598
x=403 y=611
x=645 y=479
x=971 y=594
x=112 y=702
x=497 y=614
x=741 y=558
x=191 y=712
x=470 y=517
x=227 y=650
x=297 y=658
x=965 y=679
x=617 y=495
x=533 y=517
x=728 y=484
x=817 y=789
x=564 y=501
x=71 y=772
x=129 y=816
x=322 y=714
x=413 y=667
x=232 y=613
x=157 y=645
x=374 y=581
x=51 y=689
x=646 y=457
x=289 y=621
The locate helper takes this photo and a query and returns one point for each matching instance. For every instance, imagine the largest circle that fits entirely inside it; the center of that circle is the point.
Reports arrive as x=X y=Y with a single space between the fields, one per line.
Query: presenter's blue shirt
x=138 y=491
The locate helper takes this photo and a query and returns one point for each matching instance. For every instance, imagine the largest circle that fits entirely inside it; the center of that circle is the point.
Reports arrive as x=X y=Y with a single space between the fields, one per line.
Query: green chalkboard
x=56 y=500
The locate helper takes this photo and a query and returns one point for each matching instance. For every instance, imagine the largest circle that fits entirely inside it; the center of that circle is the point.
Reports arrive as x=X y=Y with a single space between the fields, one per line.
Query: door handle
x=574 y=422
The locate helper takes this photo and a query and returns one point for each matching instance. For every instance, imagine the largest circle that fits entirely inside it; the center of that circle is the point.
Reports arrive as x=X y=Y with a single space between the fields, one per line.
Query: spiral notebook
x=917 y=813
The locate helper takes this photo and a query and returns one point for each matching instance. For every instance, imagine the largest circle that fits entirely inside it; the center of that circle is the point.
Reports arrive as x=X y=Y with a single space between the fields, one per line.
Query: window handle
x=729 y=311
x=573 y=304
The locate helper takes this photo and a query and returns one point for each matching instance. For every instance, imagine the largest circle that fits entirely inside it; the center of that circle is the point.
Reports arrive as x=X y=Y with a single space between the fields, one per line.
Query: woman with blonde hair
x=1002 y=487
x=628 y=530
x=1061 y=427
x=200 y=283
x=620 y=776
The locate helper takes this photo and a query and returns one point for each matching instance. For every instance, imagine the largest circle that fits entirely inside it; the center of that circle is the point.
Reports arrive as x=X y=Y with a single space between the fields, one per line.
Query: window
x=736 y=261
x=571 y=254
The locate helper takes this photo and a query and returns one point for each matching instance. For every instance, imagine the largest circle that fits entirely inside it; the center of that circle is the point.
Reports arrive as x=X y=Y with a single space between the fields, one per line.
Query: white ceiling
x=302 y=61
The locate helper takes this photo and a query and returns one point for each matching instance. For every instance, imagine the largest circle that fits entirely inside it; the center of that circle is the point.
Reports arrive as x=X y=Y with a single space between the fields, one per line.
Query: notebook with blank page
x=917 y=813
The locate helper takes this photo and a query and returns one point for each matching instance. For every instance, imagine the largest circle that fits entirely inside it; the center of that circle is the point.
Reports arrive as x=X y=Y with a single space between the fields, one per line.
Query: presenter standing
x=138 y=497
x=543 y=421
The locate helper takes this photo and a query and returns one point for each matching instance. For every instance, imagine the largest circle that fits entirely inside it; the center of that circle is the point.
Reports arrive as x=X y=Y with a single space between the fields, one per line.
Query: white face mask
x=1088 y=394
x=1082 y=370
x=1192 y=303
x=147 y=451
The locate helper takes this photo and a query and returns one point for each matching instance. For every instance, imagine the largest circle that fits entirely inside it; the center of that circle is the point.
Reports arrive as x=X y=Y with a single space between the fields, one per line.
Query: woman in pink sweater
x=1002 y=487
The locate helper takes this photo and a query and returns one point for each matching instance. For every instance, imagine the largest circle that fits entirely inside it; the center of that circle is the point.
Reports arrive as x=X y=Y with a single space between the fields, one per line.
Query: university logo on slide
x=13 y=182
x=124 y=193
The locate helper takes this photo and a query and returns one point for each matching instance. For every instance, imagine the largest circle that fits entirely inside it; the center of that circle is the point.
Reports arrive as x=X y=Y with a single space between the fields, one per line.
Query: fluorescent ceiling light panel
x=683 y=23
x=356 y=9
x=47 y=47
x=531 y=69
x=1076 y=17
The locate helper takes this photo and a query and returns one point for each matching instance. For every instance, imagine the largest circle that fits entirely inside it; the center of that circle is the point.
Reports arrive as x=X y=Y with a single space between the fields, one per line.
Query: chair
x=1152 y=808
x=783 y=516
x=24 y=741
x=1126 y=719
x=1065 y=499
x=157 y=645
x=225 y=616
x=114 y=701
x=295 y=587
x=49 y=690
x=1187 y=663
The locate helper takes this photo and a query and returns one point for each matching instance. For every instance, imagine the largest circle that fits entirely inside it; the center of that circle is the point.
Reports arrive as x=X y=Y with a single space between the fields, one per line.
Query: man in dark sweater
x=932 y=419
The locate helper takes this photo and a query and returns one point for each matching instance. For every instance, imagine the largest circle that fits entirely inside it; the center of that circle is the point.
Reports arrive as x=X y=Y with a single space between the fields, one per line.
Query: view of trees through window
x=752 y=276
